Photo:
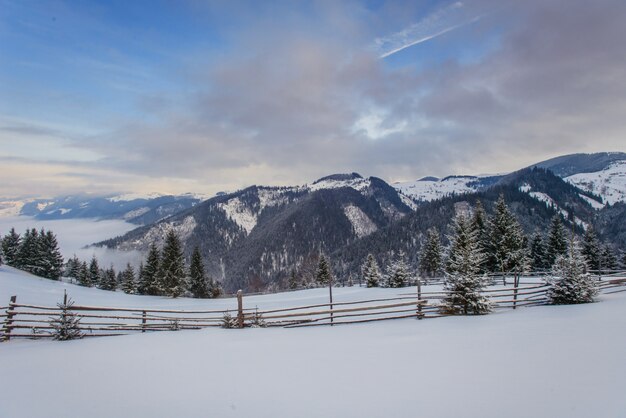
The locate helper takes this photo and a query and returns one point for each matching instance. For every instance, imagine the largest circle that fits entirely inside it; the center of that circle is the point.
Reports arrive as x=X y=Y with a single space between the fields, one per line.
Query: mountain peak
x=339 y=177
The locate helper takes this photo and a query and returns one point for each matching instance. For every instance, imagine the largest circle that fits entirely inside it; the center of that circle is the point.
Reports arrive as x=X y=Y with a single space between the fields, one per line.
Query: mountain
x=534 y=195
x=254 y=237
x=137 y=209
x=431 y=188
x=600 y=174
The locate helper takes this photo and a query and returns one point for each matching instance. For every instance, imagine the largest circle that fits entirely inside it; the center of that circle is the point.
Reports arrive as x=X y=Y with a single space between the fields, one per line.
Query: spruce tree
x=431 y=257
x=398 y=272
x=293 y=280
x=557 y=244
x=323 y=274
x=570 y=283
x=608 y=259
x=172 y=272
x=51 y=258
x=462 y=283
x=591 y=249
x=507 y=241
x=149 y=278
x=10 y=247
x=538 y=253
x=66 y=325
x=198 y=285
x=371 y=272
x=28 y=255
x=84 y=276
x=72 y=267
x=108 y=280
x=95 y=276
x=128 y=283
x=480 y=223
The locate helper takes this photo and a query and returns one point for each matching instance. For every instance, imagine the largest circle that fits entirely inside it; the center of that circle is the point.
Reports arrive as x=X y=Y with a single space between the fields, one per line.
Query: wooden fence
x=33 y=321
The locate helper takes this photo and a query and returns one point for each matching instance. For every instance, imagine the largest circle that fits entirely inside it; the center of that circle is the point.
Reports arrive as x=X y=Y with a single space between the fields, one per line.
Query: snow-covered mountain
x=253 y=237
x=600 y=174
x=608 y=183
x=429 y=188
x=134 y=208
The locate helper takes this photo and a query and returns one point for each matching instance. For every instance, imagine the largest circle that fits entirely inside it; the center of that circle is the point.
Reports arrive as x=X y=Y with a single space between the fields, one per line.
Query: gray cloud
x=292 y=102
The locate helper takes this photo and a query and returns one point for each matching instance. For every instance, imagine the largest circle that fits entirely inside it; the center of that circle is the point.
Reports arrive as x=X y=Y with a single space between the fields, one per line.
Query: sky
x=208 y=96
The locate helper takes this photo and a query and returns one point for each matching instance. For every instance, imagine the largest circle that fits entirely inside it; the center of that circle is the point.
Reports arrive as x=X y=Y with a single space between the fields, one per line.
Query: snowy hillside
x=393 y=368
x=432 y=188
x=609 y=183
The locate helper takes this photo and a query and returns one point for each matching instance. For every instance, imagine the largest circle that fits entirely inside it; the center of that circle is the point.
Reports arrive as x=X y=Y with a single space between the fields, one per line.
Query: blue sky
x=202 y=96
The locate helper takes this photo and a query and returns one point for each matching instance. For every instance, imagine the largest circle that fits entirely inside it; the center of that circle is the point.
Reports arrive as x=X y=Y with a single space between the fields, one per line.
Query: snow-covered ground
x=549 y=361
x=430 y=188
x=609 y=183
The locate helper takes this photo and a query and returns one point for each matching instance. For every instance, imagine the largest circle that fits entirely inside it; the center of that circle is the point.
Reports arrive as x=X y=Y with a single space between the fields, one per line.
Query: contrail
x=429 y=37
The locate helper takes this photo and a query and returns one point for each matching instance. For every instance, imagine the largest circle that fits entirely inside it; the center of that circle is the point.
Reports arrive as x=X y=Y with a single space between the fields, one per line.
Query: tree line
x=163 y=273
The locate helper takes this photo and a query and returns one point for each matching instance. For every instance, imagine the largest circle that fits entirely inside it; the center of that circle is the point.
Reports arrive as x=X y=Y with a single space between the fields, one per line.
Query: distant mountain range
x=603 y=174
x=133 y=208
x=256 y=237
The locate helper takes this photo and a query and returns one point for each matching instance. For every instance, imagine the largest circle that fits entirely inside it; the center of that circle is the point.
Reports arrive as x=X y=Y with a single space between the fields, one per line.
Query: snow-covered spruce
x=398 y=272
x=570 y=282
x=172 y=272
x=431 y=257
x=463 y=283
x=371 y=272
x=198 y=285
x=323 y=275
x=228 y=321
x=66 y=326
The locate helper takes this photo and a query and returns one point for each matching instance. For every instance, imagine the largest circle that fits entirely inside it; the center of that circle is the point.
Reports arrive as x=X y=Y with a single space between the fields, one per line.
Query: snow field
x=549 y=361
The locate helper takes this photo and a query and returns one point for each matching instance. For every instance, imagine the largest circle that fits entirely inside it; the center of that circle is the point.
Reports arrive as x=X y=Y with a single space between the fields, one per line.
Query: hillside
x=233 y=373
x=254 y=237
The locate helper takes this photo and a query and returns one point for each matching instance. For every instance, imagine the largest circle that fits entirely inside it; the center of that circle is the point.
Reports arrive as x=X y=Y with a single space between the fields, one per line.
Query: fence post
x=143 y=321
x=240 y=308
x=330 y=293
x=9 y=319
x=419 y=298
x=515 y=289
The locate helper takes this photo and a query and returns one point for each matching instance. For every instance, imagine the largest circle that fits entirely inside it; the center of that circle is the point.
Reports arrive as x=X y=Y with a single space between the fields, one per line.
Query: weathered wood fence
x=34 y=321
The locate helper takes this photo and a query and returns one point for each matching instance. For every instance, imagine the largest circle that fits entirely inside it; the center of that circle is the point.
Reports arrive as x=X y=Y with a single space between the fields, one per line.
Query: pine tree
x=10 y=247
x=67 y=325
x=371 y=272
x=128 y=282
x=149 y=279
x=480 y=223
x=570 y=283
x=293 y=280
x=172 y=272
x=72 y=267
x=557 y=244
x=431 y=257
x=51 y=258
x=94 y=272
x=323 y=274
x=398 y=274
x=608 y=259
x=215 y=288
x=109 y=281
x=28 y=255
x=591 y=249
x=84 y=276
x=507 y=241
x=198 y=285
x=462 y=284
x=538 y=253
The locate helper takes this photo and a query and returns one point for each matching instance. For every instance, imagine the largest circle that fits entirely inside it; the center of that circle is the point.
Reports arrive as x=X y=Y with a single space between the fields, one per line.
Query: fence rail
x=34 y=321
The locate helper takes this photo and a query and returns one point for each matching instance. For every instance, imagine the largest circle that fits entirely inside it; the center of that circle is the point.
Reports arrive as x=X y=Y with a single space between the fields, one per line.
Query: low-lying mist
x=74 y=234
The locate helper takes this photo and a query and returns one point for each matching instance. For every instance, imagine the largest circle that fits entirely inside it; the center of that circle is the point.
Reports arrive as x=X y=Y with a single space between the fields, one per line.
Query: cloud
x=296 y=98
